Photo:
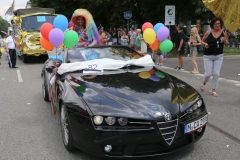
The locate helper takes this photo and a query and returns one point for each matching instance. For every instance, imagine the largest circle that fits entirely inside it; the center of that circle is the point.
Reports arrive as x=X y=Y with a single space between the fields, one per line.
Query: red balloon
x=155 y=45
x=146 y=25
x=45 y=29
x=46 y=44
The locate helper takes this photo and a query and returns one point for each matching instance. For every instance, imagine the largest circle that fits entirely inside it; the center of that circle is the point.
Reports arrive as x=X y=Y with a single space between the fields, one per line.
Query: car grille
x=168 y=129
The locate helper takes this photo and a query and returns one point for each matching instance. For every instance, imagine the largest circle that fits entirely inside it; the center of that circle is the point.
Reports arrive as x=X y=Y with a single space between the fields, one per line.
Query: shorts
x=181 y=52
x=193 y=51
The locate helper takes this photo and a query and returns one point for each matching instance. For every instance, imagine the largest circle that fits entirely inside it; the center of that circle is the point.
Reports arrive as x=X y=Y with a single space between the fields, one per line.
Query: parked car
x=130 y=108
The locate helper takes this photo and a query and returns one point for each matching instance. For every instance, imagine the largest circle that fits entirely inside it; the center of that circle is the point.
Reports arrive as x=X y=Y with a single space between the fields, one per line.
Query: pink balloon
x=146 y=25
x=162 y=33
x=56 y=37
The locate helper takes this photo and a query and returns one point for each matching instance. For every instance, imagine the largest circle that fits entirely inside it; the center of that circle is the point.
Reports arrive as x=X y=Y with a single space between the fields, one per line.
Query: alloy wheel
x=64 y=124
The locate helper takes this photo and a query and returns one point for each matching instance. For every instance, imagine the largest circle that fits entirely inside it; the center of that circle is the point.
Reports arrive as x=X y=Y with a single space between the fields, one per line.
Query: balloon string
x=56 y=54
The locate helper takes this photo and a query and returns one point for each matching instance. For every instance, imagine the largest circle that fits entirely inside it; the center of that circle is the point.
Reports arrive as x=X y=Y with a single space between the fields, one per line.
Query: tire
x=25 y=58
x=44 y=89
x=65 y=129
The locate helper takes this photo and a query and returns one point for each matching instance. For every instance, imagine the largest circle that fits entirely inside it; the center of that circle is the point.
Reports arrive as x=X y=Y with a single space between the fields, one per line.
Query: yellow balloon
x=149 y=35
x=2 y=50
x=144 y=75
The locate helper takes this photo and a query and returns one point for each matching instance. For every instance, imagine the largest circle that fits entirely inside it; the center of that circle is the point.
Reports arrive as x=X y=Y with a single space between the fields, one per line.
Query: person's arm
x=204 y=39
x=225 y=39
x=180 y=45
x=94 y=42
x=7 y=50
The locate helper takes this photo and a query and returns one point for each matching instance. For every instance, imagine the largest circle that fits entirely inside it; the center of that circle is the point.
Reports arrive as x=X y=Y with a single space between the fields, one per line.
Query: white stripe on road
x=19 y=76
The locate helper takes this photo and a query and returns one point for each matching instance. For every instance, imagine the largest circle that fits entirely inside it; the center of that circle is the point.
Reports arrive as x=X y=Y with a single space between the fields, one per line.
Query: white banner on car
x=108 y=64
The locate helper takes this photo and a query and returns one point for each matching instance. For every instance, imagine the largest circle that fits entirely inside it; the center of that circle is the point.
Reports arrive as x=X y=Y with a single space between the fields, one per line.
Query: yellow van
x=26 y=25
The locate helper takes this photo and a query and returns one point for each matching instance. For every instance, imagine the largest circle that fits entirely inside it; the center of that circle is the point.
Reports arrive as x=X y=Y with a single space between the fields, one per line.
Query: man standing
x=179 y=44
x=132 y=35
x=11 y=49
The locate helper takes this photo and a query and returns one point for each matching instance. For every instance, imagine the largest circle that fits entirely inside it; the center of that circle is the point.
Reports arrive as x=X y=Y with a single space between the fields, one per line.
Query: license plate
x=195 y=125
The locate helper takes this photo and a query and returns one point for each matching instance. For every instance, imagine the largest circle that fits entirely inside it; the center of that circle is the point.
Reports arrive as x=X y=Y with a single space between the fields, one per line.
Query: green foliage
x=110 y=12
x=3 y=26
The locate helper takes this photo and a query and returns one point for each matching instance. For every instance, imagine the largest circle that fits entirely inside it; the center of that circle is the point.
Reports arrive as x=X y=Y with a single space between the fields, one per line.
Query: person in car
x=86 y=28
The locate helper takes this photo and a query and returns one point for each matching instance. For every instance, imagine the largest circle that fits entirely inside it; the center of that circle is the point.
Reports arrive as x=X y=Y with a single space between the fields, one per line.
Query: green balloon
x=70 y=39
x=166 y=46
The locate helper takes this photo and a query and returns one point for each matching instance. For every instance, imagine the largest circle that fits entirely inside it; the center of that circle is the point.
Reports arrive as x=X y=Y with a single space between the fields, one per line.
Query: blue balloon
x=60 y=22
x=157 y=26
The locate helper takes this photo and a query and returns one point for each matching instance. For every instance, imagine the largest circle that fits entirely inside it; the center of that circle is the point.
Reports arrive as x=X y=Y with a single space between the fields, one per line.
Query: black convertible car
x=113 y=102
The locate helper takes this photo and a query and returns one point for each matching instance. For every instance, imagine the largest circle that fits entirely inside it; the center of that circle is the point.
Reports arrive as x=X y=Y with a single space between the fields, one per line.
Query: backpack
x=185 y=47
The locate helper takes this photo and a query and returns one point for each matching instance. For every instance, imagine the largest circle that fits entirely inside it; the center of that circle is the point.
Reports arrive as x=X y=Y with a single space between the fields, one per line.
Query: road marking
x=19 y=76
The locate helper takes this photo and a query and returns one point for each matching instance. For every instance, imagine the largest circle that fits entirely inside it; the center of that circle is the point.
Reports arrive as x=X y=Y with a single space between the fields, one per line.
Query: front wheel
x=66 y=131
x=44 y=88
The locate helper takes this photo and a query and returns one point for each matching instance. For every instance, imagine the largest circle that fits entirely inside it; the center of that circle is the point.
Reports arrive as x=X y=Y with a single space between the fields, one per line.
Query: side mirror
x=49 y=70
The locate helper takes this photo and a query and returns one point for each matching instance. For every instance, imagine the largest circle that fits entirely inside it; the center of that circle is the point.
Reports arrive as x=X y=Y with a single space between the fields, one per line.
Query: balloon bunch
x=157 y=37
x=55 y=35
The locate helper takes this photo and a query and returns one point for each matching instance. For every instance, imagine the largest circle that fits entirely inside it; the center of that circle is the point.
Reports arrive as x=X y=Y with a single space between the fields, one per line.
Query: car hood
x=136 y=95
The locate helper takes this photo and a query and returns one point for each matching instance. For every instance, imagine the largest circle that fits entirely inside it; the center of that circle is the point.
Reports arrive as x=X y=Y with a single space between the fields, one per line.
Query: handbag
x=200 y=48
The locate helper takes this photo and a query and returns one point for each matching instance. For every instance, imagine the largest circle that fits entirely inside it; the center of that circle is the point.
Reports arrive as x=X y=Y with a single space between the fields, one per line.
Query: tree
x=110 y=12
x=3 y=26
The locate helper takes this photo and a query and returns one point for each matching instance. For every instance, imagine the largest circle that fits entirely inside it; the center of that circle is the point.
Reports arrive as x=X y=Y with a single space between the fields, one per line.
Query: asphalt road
x=229 y=70
x=28 y=131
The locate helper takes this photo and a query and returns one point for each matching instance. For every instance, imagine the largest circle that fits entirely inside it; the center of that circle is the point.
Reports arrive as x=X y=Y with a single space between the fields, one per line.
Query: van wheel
x=25 y=58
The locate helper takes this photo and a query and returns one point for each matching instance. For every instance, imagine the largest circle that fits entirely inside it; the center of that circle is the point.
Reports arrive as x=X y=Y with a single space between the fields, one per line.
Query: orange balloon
x=46 y=44
x=155 y=45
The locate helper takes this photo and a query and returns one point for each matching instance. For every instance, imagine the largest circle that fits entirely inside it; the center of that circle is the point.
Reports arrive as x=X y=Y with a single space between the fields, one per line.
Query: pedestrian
x=137 y=41
x=1 y=48
x=124 y=39
x=179 y=44
x=114 y=36
x=103 y=37
x=109 y=38
x=213 y=40
x=120 y=31
x=132 y=35
x=193 y=42
x=11 y=49
x=160 y=58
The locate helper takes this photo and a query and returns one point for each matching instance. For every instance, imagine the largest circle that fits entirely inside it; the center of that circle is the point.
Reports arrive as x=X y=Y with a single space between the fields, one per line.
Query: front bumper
x=129 y=143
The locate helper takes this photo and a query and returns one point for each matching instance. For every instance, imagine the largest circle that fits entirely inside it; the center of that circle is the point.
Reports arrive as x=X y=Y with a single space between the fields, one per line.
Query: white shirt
x=10 y=42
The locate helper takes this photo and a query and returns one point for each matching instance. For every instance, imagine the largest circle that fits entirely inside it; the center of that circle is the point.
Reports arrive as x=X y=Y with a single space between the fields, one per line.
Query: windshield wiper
x=33 y=29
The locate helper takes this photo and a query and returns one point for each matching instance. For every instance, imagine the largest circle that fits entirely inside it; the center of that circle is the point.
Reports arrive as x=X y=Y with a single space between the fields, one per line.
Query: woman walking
x=194 y=41
x=213 y=40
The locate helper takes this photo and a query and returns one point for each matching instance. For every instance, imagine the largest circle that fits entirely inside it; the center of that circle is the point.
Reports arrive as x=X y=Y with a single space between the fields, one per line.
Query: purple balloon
x=56 y=37
x=162 y=33
x=154 y=78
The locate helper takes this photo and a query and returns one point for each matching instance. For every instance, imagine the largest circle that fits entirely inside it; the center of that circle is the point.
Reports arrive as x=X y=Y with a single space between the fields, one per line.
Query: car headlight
x=110 y=120
x=195 y=106
x=98 y=120
x=122 y=121
x=199 y=103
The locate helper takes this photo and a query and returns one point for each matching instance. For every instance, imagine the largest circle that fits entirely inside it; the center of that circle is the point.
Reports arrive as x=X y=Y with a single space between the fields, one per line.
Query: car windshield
x=116 y=53
x=34 y=23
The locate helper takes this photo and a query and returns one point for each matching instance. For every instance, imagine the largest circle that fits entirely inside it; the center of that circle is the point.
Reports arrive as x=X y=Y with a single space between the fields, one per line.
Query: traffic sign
x=170 y=15
x=127 y=15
